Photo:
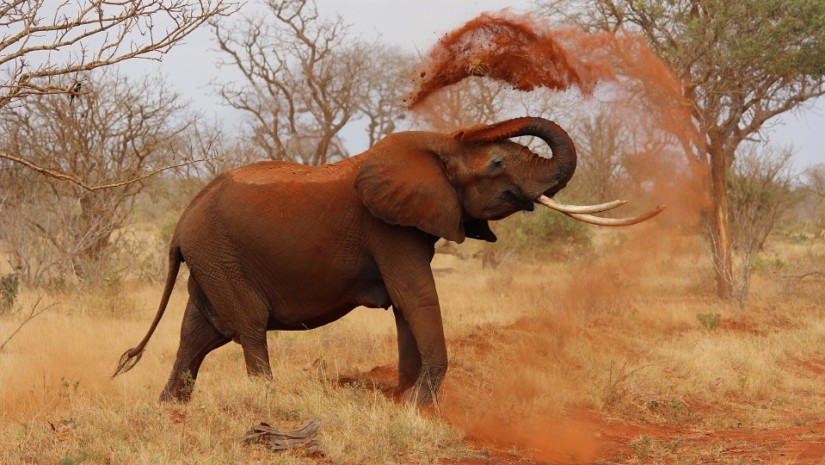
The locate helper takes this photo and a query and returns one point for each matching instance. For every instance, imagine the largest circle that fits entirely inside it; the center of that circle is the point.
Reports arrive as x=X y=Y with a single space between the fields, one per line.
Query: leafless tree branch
x=43 y=40
x=78 y=182
x=73 y=168
x=305 y=80
x=33 y=313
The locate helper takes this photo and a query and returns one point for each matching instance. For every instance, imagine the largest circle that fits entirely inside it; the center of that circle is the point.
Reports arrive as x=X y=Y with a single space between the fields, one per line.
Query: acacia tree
x=305 y=80
x=49 y=48
x=116 y=130
x=740 y=63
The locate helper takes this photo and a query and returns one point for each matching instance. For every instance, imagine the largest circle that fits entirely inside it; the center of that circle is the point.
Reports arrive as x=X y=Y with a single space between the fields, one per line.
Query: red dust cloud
x=643 y=95
x=505 y=50
x=639 y=91
x=528 y=54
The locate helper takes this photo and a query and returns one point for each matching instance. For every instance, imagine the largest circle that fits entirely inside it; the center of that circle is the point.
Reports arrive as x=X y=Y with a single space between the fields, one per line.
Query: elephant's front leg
x=412 y=289
x=426 y=327
x=409 y=359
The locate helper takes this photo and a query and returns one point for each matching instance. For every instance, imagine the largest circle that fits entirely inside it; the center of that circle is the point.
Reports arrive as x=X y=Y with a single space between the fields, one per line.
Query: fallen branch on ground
x=303 y=437
x=802 y=276
x=34 y=312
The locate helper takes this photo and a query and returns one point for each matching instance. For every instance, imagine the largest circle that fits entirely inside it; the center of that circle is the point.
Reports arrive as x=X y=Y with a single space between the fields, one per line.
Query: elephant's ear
x=411 y=188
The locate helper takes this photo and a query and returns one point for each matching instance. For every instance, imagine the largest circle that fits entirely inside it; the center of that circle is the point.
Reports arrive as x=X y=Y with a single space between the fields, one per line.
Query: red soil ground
x=591 y=437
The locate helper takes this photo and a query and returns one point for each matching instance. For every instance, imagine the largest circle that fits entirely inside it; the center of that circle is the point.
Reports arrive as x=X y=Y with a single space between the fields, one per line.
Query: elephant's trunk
x=559 y=169
x=554 y=173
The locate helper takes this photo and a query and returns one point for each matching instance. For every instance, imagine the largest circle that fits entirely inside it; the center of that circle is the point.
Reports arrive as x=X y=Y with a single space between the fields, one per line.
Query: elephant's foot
x=425 y=390
x=420 y=396
x=178 y=389
x=405 y=382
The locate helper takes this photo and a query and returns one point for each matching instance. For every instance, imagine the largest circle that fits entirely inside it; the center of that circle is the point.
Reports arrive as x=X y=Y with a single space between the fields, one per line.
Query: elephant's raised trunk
x=563 y=164
x=560 y=168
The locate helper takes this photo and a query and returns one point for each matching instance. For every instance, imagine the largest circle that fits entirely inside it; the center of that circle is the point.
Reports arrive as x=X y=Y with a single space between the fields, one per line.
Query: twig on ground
x=802 y=276
x=34 y=312
x=303 y=437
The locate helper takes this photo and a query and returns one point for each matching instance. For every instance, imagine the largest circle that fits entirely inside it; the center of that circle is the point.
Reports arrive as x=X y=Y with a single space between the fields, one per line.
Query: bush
x=9 y=287
x=542 y=232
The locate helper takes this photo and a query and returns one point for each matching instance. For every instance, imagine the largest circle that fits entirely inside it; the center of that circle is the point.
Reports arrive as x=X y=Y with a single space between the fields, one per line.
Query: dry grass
x=58 y=403
x=544 y=355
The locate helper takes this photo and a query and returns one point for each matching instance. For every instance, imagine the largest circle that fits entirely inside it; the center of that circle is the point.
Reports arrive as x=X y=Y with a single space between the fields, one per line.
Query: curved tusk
x=616 y=221
x=564 y=208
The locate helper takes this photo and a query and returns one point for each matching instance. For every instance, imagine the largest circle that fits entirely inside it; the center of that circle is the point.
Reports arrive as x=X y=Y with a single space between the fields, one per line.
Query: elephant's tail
x=130 y=358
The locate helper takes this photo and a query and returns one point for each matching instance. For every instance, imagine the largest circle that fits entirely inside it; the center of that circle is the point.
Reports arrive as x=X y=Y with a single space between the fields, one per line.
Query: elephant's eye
x=496 y=164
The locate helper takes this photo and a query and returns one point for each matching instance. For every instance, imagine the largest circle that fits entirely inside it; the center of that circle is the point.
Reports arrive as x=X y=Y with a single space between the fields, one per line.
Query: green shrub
x=710 y=321
x=541 y=232
x=9 y=287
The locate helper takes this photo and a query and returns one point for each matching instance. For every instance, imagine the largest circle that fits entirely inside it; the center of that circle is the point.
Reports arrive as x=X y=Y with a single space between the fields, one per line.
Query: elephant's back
x=269 y=187
x=293 y=233
x=275 y=173
x=284 y=221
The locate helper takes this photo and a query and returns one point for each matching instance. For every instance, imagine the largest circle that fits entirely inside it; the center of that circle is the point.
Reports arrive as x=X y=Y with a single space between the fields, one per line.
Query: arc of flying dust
x=511 y=50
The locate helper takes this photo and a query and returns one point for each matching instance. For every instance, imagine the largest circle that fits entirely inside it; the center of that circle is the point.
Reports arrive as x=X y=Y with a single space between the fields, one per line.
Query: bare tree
x=386 y=83
x=46 y=46
x=600 y=174
x=472 y=101
x=815 y=180
x=760 y=192
x=49 y=48
x=814 y=188
x=116 y=130
x=34 y=311
x=304 y=80
x=220 y=152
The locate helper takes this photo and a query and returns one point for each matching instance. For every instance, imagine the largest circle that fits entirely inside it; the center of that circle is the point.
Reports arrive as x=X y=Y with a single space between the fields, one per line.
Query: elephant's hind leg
x=256 y=354
x=198 y=337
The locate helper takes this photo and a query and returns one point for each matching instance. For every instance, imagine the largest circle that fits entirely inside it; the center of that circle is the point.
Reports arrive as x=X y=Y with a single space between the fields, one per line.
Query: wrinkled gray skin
x=280 y=246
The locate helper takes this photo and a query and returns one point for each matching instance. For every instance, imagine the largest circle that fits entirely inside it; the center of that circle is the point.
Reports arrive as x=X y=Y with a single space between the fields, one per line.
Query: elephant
x=282 y=246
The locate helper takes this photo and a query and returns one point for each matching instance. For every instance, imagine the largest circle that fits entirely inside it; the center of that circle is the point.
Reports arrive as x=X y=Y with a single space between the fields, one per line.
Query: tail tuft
x=130 y=358
x=128 y=361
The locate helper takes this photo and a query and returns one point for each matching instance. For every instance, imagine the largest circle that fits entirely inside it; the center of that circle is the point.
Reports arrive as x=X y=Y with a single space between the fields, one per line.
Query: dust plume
x=515 y=406
x=625 y=79
x=507 y=50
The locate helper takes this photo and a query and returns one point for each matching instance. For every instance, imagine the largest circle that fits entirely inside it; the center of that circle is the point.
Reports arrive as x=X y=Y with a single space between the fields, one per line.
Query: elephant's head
x=449 y=185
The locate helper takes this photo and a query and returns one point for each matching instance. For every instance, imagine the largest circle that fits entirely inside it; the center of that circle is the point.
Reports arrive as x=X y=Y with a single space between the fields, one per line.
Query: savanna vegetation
x=568 y=343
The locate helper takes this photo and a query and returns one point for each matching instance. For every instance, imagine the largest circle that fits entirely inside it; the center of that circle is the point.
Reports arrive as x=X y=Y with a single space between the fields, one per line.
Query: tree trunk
x=97 y=226
x=719 y=224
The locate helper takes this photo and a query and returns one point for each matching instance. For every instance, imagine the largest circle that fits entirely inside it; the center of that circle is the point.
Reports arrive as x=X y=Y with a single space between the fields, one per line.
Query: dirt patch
x=804 y=445
x=814 y=366
x=583 y=436
x=620 y=442
x=741 y=325
x=381 y=378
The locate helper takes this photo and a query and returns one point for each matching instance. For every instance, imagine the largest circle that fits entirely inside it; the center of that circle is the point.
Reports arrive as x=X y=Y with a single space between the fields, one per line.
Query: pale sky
x=417 y=25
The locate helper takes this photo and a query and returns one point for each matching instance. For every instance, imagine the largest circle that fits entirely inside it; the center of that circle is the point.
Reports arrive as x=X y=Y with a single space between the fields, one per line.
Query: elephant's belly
x=312 y=312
